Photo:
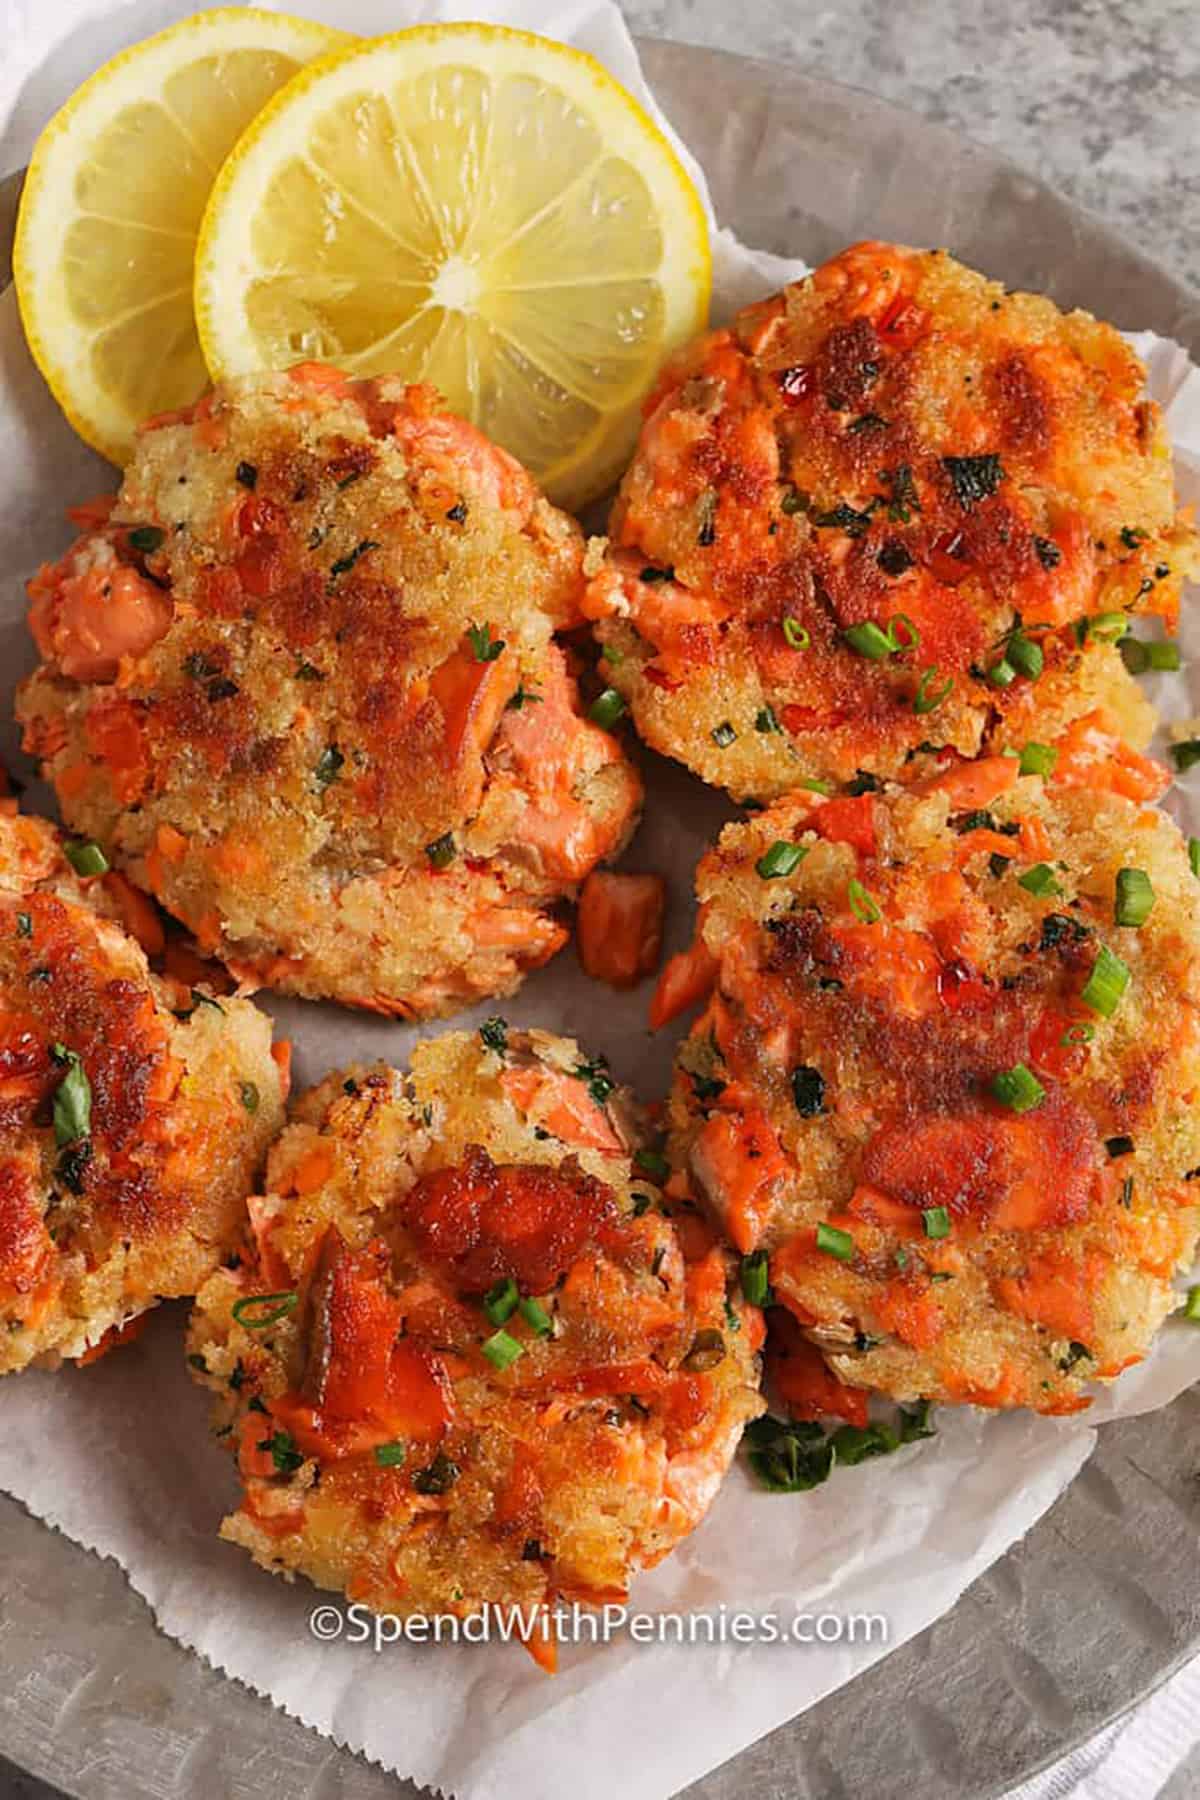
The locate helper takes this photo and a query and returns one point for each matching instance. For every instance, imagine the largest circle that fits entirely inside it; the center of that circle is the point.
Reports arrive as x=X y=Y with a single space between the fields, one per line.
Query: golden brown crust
x=132 y=1116
x=892 y=437
x=302 y=686
x=397 y=1203
x=842 y=1079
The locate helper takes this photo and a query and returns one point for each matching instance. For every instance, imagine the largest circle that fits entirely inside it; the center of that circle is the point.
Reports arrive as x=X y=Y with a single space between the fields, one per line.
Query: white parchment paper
x=117 y=1456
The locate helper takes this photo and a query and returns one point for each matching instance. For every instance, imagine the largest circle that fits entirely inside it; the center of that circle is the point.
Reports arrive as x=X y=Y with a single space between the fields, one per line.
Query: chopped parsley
x=329 y=766
x=973 y=478
x=794 y=1456
x=904 y=500
x=344 y=564
x=284 y=1454
x=442 y=851
x=484 y=646
x=600 y=1083
x=843 y=517
x=523 y=697
x=438 y=1477
x=808 y=1091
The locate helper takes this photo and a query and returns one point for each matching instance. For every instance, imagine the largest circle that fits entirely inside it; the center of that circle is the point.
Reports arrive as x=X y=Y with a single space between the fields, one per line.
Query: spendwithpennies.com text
x=576 y=1624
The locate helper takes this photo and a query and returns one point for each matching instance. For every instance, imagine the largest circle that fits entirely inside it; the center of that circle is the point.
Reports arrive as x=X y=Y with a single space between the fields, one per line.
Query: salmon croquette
x=300 y=683
x=946 y=1084
x=134 y=1114
x=893 y=505
x=470 y=1357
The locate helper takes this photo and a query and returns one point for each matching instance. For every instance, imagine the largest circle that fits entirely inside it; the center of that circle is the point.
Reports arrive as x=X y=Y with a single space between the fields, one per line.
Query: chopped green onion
x=442 y=851
x=1038 y=759
x=862 y=905
x=502 y=1349
x=72 y=1099
x=1191 y=1306
x=655 y=1165
x=869 y=641
x=1106 y=983
x=257 y=1311
x=1077 y=1034
x=1109 y=627
x=1025 y=656
x=1135 y=897
x=1140 y=654
x=1018 y=1088
x=835 y=1243
x=1039 y=880
x=1193 y=850
x=780 y=859
x=1186 y=754
x=812 y=785
x=937 y=1221
x=755 y=1273
x=723 y=734
x=390 y=1456
x=500 y=1301
x=911 y=640
x=146 y=539
x=493 y=1034
x=1002 y=674
x=612 y=653
x=536 y=1316
x=600 y=1083
x=796 y=634
x=1119 y=1146
x=24 y=924
x=248 y=1095
x=606 y=708
x=766 y=721
x=925 y=701
x=86 y=858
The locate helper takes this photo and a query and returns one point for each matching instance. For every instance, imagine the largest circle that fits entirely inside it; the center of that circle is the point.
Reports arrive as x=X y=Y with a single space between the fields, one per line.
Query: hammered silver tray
x=1101 y=1602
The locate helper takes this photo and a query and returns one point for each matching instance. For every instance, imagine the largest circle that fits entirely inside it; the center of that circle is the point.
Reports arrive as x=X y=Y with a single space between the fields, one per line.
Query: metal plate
x=1102 y=1600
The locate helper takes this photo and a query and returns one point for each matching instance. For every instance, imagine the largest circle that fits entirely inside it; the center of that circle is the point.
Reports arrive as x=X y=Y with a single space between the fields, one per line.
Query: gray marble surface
x=1101 y=100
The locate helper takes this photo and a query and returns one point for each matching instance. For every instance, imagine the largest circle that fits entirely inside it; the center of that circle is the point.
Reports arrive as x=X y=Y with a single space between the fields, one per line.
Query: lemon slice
x=106 y=237
x=471 y=206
